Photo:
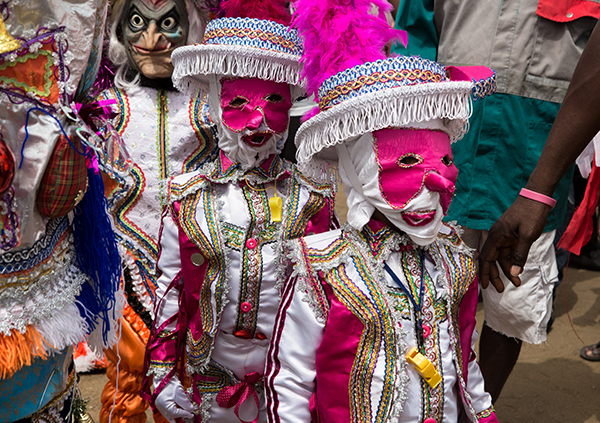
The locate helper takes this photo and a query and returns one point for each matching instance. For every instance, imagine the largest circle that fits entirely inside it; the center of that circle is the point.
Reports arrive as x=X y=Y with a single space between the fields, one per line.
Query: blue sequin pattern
x=375 y=76
x=253 y=33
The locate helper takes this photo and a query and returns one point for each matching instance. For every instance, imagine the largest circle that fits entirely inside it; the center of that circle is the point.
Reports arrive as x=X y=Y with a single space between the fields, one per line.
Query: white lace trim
x=138 y=282
x=159 y=372
x=193 y=63
x=56 y=284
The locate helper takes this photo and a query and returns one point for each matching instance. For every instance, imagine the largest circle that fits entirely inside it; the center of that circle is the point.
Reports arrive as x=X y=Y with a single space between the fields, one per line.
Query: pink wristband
x=536 y=196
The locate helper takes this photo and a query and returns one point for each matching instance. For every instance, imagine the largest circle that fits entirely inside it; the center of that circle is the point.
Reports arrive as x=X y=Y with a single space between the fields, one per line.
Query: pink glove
x=173 y=402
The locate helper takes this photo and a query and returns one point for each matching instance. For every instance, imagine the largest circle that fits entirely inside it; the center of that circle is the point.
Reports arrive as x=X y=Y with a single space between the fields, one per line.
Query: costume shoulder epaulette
x=327 y=189
x=449 y=236
x=186 y=184
x=320 y=252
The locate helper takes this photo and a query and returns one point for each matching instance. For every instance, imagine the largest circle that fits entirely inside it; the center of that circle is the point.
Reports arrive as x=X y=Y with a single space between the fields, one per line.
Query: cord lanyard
x=417 y=307
x=422 y=364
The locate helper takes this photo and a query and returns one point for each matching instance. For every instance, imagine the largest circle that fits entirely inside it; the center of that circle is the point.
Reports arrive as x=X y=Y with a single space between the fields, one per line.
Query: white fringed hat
x=242 y=47
x=393 y=92
x=363 y=91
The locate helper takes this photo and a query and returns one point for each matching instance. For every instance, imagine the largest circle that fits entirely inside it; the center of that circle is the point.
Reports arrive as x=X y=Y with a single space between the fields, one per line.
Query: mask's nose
x=255 y=118
x=153 y=38
x=437 y=183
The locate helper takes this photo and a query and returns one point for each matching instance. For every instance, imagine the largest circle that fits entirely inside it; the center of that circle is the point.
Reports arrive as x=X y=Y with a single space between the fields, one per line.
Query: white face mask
x=420 y=217
x=233 y=144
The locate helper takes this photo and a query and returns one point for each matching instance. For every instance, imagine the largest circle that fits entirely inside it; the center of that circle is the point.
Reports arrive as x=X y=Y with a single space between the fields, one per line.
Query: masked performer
x=166 y=133
x=59 y=271
x=377 y=322
x=221 y=257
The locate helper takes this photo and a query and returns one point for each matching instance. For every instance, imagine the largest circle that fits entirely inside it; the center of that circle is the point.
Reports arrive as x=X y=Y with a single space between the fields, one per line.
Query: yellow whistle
x=275 y=204
x=424 y=367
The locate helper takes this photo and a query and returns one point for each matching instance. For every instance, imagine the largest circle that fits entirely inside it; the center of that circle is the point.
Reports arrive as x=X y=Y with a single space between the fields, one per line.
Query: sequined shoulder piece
x=183 y=185
x=319 y=253
x=458 y=260
x=326 y=189
x=449 y=236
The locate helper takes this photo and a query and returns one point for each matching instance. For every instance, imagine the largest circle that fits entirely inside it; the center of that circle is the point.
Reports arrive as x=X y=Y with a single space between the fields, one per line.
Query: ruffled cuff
x=487 y=416
x=162 y=352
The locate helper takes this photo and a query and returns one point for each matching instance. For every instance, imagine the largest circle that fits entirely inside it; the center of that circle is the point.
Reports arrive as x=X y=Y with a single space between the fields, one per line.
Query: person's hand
x=509 y=241
x=173 y=402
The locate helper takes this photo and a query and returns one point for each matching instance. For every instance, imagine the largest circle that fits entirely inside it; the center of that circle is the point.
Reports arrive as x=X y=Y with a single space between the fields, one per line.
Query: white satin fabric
x=301 y=334
x=141 y=133
x=240 y=356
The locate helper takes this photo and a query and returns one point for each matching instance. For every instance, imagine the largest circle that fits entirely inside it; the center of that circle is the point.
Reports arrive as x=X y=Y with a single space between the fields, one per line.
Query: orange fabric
x=19 y=350
x=33 y=73
x=136 y=324
x=129 y=406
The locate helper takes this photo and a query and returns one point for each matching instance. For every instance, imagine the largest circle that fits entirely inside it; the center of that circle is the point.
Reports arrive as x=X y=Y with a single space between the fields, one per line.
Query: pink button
x=246 y=307
x=251 y=243
x=429 y=421
x=426 y=332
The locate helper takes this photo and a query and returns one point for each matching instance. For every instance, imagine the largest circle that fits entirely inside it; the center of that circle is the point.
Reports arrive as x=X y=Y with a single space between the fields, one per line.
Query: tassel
x=97 y=253
x=19 y=350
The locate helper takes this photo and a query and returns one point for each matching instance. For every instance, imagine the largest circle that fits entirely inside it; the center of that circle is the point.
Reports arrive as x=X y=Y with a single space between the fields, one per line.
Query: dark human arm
x=577 y=122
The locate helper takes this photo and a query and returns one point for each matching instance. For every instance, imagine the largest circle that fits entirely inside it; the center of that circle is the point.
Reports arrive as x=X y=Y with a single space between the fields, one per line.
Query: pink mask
x=411 y=159
x=255 y=107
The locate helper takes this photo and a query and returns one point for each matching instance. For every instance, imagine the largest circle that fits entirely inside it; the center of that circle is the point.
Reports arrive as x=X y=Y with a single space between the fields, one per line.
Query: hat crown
x=393 y=72
x=254 y=33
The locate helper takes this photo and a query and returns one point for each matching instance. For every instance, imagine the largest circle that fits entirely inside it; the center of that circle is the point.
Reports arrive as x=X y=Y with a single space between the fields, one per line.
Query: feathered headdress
x=360 y=90
x=251 y=39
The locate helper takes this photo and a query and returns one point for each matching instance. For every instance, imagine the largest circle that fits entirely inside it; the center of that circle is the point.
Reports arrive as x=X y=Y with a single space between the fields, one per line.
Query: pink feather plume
x=339 y=34
x=273 y=10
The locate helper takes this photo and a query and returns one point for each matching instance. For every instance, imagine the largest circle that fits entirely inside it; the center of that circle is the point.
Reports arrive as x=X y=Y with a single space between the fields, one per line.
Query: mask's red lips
x=257 y=139
x=419 y=217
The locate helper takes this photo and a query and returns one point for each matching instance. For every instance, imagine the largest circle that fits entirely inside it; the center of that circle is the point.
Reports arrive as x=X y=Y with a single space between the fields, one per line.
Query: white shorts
x=521 y=312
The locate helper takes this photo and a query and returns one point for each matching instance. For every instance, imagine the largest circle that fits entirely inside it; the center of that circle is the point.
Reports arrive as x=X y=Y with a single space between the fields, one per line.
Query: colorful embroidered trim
x=162 y=138
x=260 y=231
x=484 y=87
x=214 y=283
x=123 y=109
x=412 y=268
x=12 y=262
x=378 y=335
x=123 y=207
x=375 y=76
x=213 y=379
x=206 y=133
x=253 y=33
x=486 y=413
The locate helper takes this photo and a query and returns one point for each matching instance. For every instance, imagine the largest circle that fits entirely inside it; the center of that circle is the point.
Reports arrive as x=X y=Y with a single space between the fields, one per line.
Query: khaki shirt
x=533 y=56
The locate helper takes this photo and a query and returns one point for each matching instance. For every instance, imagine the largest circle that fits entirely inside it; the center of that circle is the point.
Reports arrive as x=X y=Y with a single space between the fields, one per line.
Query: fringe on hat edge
x=191 y=64
x=370 y=112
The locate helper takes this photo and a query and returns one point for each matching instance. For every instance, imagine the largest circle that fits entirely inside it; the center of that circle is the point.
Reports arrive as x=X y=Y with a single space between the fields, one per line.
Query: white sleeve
x=481 y=400
x=290 y=369
x=169 y=266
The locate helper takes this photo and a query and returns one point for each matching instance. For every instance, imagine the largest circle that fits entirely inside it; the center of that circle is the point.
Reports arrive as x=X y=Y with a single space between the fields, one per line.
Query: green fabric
x=495 y=158
x=416 y=18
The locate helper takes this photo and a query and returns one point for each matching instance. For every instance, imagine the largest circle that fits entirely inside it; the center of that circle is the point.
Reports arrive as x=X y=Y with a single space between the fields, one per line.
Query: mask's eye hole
x=238 y=102
x=447 y=160
x=137 y=21
x=274 y=98
x=168 y=23
x=409 y=160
